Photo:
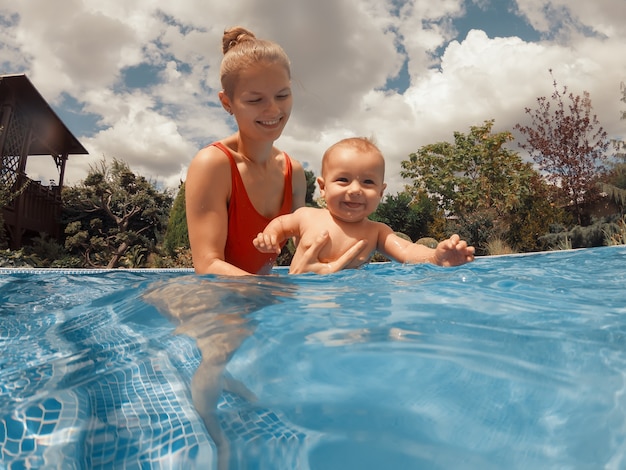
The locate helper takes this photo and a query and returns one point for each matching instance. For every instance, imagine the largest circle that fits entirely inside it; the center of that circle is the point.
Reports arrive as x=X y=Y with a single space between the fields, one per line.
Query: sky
x=138 y=80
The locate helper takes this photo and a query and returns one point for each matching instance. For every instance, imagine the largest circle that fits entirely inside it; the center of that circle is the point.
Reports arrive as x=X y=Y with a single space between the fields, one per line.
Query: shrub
x=498 y=246
x=428 y=241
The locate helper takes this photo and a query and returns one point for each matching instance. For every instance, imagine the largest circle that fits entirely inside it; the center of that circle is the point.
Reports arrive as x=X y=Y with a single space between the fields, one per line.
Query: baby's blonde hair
x=361 y=144
x=242 y=49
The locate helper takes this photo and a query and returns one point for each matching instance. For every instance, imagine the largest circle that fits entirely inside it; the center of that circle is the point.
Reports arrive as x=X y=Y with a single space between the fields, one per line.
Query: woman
x=237 y=185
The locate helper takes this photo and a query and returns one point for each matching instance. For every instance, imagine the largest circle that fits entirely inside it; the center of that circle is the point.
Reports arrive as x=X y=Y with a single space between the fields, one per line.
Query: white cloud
x=424 y=26
x=604 y=17
x=343 y=53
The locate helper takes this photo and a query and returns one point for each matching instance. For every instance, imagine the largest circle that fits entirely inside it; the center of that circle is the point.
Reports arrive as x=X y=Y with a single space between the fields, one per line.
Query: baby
x=352 y=184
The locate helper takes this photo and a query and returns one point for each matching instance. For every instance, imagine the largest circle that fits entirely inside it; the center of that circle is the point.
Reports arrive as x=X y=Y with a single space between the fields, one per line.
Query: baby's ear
x=320 y=183
x=383 y=189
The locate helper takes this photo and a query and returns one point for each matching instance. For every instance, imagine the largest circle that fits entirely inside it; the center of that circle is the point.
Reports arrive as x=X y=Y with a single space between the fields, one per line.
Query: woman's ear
x=225 y=101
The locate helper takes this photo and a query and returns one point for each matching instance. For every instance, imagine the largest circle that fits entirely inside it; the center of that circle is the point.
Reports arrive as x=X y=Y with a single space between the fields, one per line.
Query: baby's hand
x=453 y=252
x=266 y=243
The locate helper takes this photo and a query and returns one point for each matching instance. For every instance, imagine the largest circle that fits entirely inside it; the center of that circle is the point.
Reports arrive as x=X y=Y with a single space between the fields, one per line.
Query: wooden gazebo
x=29 y=127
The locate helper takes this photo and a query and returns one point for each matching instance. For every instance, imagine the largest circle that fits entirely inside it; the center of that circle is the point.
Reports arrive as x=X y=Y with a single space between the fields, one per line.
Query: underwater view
x=513 y=362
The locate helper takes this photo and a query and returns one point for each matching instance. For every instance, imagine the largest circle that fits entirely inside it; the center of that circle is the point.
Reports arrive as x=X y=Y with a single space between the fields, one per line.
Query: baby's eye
x=369 y=182
x=342 y=180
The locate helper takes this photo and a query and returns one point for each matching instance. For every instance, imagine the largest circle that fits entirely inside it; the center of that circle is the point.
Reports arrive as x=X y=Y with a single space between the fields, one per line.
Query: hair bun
x=234 y=36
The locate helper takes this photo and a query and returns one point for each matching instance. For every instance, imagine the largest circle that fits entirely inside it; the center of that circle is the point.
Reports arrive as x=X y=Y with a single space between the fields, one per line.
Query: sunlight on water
x=509 y=362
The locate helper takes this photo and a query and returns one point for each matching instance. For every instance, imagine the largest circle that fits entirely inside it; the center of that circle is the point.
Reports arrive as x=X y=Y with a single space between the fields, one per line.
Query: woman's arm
x=298 y=185
x=207 y=190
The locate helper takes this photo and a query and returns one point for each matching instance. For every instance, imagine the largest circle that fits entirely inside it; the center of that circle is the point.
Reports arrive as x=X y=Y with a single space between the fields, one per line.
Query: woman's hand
x=305 y=261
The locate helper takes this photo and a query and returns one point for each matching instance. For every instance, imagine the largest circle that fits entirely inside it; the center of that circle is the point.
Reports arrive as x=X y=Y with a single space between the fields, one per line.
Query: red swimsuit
x=244 y=222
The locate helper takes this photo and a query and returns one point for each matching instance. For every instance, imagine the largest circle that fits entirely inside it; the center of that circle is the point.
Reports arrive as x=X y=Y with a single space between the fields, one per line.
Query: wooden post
x=16 y=241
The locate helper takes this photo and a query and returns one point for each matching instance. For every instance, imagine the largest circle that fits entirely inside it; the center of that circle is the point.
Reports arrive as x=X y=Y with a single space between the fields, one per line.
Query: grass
x=497 y=246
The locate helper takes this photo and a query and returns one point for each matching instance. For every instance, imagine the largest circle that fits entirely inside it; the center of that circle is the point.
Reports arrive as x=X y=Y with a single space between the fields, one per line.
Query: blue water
x=510 y=362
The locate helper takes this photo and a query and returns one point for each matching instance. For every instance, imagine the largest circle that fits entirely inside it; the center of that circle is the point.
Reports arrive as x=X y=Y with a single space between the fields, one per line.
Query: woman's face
x=261 y=101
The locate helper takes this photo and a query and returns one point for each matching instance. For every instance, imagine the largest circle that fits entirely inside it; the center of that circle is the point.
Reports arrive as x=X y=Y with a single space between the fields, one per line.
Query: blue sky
x=138 y=81
x=497 y=19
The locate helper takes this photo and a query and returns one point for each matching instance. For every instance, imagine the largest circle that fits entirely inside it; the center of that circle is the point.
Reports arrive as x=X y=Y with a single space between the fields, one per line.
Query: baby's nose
x=354 y=189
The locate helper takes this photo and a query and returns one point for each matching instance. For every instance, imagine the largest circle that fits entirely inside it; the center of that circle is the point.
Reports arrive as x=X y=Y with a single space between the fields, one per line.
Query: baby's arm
x=453 y=252
x=450 y=252
x=277 y=231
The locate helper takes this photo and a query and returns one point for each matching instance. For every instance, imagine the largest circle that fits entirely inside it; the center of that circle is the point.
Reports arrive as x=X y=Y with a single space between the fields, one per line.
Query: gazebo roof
x=51 y=135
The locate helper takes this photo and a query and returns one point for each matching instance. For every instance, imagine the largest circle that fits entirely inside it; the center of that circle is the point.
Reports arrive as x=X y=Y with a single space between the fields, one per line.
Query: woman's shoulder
x=215 y=154
x=209 y=168
x=281 y=154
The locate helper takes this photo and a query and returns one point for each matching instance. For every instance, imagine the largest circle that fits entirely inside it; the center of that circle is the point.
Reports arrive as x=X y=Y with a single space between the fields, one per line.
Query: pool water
x=510 y=362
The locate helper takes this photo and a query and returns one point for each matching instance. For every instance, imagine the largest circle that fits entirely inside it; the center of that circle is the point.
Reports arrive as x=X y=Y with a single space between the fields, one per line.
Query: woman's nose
x=273 y=107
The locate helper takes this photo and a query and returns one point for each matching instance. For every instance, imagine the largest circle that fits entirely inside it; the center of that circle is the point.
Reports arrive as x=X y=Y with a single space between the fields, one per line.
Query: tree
x=481 y=185
x=535 y=215
x=114 y=213
x=177 y=234
x=475 y=172
x=568 y=144
x=310 y=188
x=613 y=183
x=404 y=215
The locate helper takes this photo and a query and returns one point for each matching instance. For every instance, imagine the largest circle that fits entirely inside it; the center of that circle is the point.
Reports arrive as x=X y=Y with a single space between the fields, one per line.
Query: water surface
x=508 y=362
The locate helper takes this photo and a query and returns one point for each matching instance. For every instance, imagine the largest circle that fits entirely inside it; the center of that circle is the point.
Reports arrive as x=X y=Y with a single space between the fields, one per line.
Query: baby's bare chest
x=340 y=241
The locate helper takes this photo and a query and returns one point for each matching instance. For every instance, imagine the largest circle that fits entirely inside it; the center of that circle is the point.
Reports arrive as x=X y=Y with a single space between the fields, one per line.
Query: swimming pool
x=509 y=362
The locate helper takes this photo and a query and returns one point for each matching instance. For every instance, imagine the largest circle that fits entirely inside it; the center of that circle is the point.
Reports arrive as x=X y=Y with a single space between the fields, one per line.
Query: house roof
x=51 y=134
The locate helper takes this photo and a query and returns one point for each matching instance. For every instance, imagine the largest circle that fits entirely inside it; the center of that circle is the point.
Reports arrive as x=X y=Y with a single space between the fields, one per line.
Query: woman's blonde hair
x=243 y=49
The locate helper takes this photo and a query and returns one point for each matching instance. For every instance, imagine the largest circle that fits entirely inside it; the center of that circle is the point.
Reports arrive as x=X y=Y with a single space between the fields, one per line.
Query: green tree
x=486 y=190
x=568 y=144
x=311 y=181
x=404 y=215
x=534 y=216
x=177 y=234
x=476 y=172
x=614 y=181
x=113 y=211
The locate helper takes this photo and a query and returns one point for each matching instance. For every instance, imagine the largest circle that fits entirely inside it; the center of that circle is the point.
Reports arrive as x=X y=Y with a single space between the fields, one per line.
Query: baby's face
x=352 y=183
